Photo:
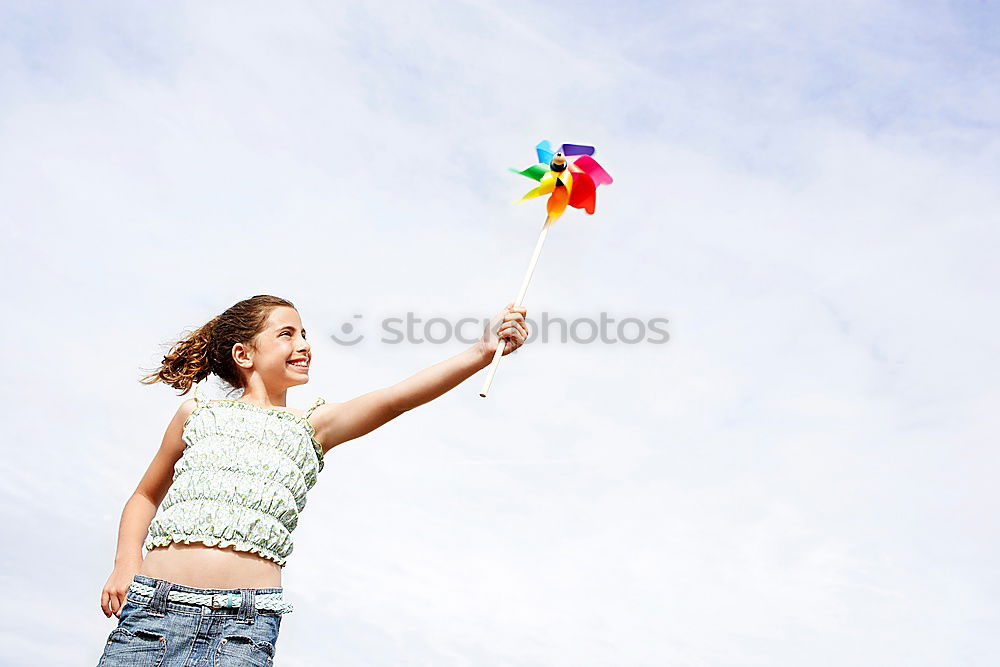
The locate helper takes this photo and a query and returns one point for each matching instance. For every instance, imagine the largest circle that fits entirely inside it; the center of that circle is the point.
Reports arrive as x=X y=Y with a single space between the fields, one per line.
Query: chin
x=299 y=379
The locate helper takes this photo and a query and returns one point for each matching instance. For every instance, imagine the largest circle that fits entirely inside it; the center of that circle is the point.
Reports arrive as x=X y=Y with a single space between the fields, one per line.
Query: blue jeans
x=155 y=631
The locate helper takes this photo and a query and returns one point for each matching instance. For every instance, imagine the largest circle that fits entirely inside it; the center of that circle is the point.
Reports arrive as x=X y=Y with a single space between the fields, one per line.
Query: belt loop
x=158 y=607
x=248 y=607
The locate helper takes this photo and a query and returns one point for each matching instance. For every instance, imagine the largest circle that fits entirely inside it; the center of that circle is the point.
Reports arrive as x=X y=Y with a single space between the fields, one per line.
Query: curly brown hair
x=209 y=348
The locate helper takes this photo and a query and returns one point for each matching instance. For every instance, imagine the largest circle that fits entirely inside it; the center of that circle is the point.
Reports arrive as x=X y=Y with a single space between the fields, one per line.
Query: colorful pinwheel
x=569 y=175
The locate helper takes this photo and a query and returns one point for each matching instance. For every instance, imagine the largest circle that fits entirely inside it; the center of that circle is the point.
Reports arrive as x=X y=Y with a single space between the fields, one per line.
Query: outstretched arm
x=339 y=422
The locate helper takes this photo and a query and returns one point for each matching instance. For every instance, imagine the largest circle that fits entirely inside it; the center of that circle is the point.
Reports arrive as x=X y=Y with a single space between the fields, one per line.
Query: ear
x=243 y=355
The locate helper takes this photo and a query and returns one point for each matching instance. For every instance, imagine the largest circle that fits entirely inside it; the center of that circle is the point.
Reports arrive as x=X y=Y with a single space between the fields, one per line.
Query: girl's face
x=282 y=354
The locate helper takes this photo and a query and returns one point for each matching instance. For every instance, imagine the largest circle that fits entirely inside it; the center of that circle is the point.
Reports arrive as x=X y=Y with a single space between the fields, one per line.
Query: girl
x=232 y=476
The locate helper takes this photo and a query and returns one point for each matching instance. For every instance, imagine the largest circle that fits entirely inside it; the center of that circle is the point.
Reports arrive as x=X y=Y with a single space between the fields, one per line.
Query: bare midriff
x=201 y=566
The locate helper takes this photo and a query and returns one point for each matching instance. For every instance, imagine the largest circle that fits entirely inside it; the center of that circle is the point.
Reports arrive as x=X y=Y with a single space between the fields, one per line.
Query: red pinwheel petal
x=583 y=190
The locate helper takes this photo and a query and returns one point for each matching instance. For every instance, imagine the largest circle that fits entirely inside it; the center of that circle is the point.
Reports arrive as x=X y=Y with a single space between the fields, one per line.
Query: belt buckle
x=225 y=600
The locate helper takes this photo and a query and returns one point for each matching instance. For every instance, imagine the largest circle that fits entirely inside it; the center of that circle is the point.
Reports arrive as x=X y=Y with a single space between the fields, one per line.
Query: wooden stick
x=517 y=304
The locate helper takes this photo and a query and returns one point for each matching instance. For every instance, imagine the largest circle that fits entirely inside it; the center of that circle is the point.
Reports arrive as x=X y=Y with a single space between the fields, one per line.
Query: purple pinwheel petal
x=576 y=149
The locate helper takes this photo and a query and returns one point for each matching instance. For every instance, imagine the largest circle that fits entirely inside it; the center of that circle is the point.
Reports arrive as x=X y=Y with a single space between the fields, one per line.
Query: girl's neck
x=258 y=394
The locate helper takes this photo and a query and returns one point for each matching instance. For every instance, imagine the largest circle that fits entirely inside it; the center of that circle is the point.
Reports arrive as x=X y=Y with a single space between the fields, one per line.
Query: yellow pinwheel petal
x=547 y=185
x=567 y=179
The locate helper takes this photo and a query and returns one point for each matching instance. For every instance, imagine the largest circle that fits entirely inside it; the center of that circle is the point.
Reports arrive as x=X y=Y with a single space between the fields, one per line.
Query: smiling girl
x=232 y=477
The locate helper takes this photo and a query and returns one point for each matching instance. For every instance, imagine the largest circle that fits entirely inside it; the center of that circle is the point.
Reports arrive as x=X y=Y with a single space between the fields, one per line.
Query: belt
x=264 y=602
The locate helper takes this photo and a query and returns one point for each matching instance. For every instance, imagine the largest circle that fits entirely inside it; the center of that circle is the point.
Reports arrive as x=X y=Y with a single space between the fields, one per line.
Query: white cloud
x=801 y=475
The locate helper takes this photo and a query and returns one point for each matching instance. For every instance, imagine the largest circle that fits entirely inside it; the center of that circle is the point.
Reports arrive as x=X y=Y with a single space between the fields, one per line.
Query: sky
x=803 y=471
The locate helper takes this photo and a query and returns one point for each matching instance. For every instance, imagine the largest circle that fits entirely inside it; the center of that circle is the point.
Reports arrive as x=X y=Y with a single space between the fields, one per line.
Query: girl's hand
x=509 y=325
x=113 y=595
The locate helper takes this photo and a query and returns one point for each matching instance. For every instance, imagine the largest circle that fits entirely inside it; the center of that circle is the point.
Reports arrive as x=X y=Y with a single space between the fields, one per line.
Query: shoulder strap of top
x=199 y=398
x=319 y=402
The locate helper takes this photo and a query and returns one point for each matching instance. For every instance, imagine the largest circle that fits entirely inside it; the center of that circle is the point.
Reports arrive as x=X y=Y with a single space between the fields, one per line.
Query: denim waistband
x=150 y=581
x=247 y=599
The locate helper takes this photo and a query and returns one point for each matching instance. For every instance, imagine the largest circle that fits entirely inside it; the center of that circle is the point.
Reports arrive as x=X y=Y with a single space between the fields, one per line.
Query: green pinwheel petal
x=536 y=171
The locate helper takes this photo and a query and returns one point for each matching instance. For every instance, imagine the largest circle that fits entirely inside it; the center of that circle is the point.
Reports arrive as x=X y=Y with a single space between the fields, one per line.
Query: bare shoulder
x=322 y=420
x=185 y=409
x=323 y=413
x=313 y=411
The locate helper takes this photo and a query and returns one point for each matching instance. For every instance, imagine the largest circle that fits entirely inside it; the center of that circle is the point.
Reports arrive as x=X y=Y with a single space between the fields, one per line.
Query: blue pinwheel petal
x=545 y=152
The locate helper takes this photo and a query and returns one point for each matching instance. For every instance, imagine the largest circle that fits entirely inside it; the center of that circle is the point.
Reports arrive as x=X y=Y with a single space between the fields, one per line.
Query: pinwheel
x=570 y=177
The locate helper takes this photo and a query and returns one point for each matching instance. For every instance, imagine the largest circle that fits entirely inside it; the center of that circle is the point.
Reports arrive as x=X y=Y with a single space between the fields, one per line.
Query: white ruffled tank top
x=242 y=479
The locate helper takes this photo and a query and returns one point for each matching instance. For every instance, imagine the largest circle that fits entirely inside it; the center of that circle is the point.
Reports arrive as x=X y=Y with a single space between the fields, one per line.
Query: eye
x=284 y=333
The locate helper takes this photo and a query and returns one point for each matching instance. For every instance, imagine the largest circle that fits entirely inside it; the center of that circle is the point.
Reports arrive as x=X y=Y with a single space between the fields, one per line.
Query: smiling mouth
x=299 y=365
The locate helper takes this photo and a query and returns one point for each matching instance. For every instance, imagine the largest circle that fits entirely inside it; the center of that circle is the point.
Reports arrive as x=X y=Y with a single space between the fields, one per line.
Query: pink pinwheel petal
x=594 y=170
